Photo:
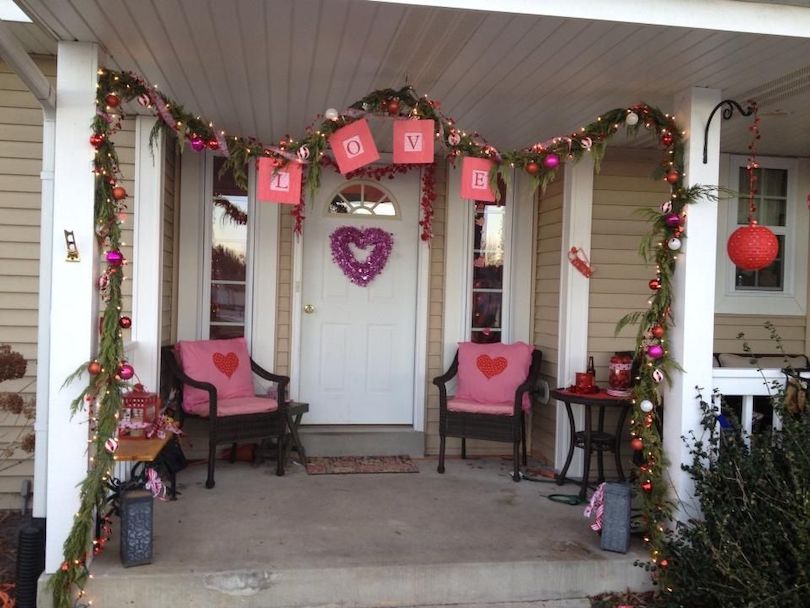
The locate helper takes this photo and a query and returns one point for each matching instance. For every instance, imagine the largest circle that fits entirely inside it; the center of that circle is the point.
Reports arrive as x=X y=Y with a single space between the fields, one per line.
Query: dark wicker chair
x=506 y=428
x=224 y=428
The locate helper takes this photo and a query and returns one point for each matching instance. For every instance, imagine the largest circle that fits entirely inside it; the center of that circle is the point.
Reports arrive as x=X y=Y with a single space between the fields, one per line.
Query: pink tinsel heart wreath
x=361 y=273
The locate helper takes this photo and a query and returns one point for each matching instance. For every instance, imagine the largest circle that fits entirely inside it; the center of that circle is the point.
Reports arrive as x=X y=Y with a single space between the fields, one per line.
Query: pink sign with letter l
x=278 y=184
x=475 y=179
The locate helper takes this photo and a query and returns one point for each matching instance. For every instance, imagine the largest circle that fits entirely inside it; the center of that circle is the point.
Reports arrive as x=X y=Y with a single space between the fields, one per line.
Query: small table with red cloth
x=591 y=440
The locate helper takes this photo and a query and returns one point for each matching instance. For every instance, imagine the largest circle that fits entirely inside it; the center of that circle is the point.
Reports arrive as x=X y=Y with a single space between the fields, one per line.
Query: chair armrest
x=184 y=378
x=283 y=381
x=530 y=384
x=440 y=381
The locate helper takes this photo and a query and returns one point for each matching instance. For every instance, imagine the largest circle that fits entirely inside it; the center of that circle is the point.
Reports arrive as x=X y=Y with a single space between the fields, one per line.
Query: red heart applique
x=227 y=364
x=491 y=367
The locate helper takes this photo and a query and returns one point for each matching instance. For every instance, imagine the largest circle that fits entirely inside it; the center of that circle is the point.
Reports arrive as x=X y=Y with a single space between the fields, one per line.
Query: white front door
x=358 y=343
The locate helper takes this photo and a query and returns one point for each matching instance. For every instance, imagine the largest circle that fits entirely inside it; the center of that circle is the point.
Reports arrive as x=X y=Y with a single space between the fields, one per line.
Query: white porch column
x=691 y=338
x=572 y=336
x=74 y=299
x=147 y=267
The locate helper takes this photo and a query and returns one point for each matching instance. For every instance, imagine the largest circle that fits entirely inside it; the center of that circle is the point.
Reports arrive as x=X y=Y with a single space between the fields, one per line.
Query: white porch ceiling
x=266 y=68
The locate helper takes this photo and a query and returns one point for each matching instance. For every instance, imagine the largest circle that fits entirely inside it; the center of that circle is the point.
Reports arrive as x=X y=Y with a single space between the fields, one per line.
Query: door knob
x=309 y=309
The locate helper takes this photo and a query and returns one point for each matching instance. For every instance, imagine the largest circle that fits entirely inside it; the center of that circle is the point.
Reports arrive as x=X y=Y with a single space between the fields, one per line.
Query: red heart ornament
x=227 y=364
x=491 y=367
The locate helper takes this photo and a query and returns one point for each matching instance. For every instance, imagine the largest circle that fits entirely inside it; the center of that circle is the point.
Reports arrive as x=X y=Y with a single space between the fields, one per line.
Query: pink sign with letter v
x=413 y=141
x=278 y=184
x=475 y=179
x=353 y=146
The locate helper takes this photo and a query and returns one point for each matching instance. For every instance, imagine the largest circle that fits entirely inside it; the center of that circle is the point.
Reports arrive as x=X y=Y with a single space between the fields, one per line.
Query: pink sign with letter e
x=475 y=179
x=413 y=141
x=353 y=146
x=278 y=184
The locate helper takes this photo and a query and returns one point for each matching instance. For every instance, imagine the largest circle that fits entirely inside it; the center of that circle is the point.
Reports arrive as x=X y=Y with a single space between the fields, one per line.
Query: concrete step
x=527 y=584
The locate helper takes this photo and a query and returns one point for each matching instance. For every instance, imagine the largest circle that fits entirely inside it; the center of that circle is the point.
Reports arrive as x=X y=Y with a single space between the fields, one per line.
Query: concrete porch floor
x=469 y=537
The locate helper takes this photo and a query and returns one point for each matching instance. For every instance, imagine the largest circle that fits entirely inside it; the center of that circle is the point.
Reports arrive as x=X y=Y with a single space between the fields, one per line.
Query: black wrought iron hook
x=728 y=112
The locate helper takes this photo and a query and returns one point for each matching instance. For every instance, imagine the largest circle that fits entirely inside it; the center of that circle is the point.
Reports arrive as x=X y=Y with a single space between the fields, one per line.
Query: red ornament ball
x=96 y=139
x=657 y=331
x=647 y=486
x=112 y=100
x=672 y=176
x=655 y=284
x=124 y=322
x=667 y=139
x=119 y=193
x=94 y=368
x=392 y=107
x=213 y=144
x=532 y=168
x=752 y=247
x=664 y=563
x=637 y=444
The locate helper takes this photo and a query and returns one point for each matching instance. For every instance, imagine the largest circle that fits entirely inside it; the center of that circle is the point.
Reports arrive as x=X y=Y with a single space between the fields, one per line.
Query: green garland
x=103 y=396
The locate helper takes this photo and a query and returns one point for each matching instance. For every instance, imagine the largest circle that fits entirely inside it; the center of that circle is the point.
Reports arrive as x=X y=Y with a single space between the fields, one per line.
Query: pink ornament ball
x=673 y=220
x=552 y=161
x=197 y=143
x=115 y=257
x=125 y=371
x=655 y=351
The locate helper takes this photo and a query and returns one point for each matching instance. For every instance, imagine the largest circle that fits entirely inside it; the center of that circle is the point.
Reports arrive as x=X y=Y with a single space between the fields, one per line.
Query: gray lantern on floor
x=136 y=527
x=616 y=518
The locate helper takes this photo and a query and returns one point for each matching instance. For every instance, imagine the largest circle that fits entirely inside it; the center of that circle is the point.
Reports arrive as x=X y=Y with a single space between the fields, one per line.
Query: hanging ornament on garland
x=674 y=243
x=125 y=371
x=655 y=351
x=197 y=143
x=658 y=376
x=667 y=140
x=654 y=284
x=302 y=153
x=631 y=119
x=646 y=406
x=119 y=193
x=331 y=114
x=752 y=247
x=657 y=331
x=112 y=100
x=637 y=444
x=552 y=161
x=96 y=139
x=212 y=144
x=673 y=176
x=94 y=368
x=532 y=168
x=124 y=322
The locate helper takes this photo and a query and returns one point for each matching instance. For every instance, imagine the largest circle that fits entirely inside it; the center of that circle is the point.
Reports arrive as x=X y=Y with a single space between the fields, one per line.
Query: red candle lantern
x=139 y=408
x=620 y=374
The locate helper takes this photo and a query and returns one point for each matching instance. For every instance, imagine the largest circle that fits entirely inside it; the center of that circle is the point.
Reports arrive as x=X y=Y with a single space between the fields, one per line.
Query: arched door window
x=366 y=199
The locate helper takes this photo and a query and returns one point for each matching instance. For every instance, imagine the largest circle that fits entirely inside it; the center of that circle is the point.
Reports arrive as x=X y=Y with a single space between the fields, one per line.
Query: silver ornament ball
x=331 y=114
x=631 y=119
x=674 y=243
x=646 y=406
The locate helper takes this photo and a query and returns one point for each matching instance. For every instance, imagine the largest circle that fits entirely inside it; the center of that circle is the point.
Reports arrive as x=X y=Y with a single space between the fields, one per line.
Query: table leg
x=572 y=435
x=617 y=446
x=292 y=424
x=600 y=459
x=583 y=492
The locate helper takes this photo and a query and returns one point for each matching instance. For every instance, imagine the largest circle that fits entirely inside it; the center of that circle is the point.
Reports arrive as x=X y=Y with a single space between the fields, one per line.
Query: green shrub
x=750 y=548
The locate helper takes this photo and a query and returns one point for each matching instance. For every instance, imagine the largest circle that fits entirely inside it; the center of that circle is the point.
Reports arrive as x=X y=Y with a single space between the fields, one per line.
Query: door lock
x=309 y=309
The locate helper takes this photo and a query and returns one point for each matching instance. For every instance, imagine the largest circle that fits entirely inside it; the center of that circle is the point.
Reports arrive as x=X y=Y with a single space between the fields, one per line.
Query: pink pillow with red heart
x=223 y=363
x=491 y=373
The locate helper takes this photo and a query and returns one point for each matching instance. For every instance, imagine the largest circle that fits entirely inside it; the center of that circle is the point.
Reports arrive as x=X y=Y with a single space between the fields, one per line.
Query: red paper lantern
x=752 y=247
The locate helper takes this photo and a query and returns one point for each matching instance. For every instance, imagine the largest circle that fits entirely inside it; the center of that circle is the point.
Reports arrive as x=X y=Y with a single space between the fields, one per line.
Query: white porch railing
x=748 y=383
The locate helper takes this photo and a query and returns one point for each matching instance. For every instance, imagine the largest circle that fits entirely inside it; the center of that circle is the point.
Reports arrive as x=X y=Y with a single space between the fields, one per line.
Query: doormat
x=345 y=465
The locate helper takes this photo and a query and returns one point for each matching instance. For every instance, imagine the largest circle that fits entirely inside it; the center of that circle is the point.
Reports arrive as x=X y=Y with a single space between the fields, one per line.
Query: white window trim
x=793 y=299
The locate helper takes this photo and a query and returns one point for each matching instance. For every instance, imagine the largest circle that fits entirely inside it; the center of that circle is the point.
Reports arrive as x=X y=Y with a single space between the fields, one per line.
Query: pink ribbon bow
x=597 y=508
x=154 y=484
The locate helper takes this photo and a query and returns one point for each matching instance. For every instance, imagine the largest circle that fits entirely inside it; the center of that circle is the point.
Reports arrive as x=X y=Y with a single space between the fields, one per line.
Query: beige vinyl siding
x=286 y=238
x=124 y=141
x=438 y=257
x=620 y=281
x=792 y=330
x=547 y=312
x=171 y=209
x=20 y=166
